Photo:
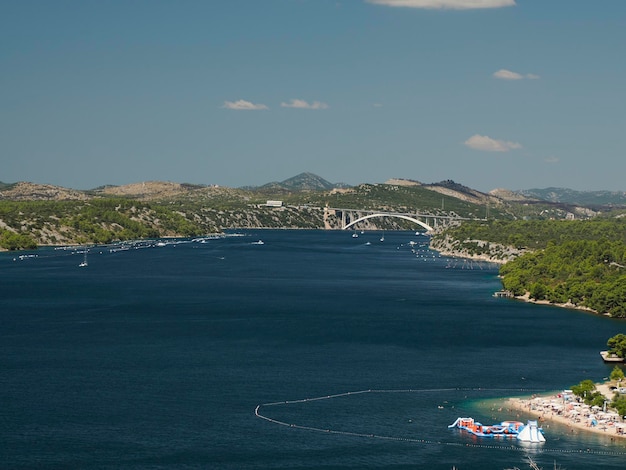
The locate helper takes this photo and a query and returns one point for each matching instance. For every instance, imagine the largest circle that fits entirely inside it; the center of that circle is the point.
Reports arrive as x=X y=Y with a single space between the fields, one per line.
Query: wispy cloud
x=301 y=104
x=243 y=105
x=445 y=4
x=552 y=160
x=487 y=144
x=504 y=74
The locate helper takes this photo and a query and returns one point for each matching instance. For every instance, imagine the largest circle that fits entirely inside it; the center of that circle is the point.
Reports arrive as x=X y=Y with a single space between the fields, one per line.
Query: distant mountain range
x=303 y=182
x=579 y=198
x=311 y=182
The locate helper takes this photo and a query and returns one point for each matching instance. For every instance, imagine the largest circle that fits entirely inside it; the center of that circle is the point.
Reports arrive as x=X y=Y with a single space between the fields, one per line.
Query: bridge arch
x=398 y=216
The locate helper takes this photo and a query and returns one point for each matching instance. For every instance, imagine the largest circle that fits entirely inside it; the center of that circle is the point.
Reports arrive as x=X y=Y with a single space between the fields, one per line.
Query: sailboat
x=84 y=262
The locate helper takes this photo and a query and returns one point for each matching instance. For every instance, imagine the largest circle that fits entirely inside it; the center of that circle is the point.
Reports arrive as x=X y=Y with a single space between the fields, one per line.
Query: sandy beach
x=563 y=407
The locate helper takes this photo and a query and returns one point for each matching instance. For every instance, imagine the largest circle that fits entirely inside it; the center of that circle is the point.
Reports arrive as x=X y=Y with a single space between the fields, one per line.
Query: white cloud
x=445 y=4
x=243 y=105
x=504 y=74
x=552 y=160
x=301 y=104
x=482 y=142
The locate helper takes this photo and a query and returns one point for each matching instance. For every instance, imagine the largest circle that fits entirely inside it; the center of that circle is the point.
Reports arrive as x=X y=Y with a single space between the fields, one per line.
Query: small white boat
x=260 y=242
x=84 y=262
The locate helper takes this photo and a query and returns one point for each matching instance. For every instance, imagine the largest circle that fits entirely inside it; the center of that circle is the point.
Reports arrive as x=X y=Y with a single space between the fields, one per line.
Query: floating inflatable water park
x=529 y=432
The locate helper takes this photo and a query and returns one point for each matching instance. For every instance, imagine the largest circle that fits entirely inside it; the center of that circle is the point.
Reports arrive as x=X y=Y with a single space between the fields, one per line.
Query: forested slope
x=578 y=263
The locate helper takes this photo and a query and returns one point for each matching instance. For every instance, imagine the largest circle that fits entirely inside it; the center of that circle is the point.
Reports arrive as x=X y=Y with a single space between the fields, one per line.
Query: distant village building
x=274 y=203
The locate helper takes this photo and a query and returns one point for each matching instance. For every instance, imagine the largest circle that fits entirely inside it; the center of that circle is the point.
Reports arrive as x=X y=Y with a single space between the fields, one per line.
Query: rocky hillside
x=508 y=195
x=456 y=190
x=480 y=250
x=166 y=191
x=24 y=191
x=147 y=190
x=302 y=182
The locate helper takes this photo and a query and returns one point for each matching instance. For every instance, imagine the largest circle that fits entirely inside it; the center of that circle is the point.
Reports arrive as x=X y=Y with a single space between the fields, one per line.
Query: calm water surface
x=157 y=356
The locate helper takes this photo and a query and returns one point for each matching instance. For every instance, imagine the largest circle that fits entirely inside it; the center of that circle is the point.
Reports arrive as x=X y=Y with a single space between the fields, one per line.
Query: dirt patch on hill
x=24 y=191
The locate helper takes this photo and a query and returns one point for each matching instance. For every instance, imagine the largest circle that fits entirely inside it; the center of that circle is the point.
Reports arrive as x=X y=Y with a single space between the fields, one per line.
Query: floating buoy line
x=538 y=449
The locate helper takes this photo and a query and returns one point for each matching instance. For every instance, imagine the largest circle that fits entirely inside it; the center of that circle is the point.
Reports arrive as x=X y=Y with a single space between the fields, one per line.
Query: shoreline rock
x=569 y=305
x=491 y=252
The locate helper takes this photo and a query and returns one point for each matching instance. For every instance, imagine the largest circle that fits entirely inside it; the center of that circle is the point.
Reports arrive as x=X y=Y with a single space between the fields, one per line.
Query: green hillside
x=576 y=263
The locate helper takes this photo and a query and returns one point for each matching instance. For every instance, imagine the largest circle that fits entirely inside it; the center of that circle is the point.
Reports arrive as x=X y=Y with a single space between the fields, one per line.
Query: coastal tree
x=617 y=374
x=617 y=344
x=587 y=391
x=538 y=291
x=584 y=389
x=595 y=399
x=16 y=241
x=619 y=403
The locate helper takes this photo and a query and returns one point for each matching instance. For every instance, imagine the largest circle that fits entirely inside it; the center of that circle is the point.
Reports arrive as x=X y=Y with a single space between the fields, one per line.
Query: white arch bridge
x=351 y=217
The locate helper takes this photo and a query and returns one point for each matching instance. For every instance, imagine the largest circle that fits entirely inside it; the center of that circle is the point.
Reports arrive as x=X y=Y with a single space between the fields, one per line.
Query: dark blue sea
x=358 y=352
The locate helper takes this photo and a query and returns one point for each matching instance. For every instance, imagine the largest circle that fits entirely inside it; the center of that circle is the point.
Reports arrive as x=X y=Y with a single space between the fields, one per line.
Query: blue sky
x=510 y=94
